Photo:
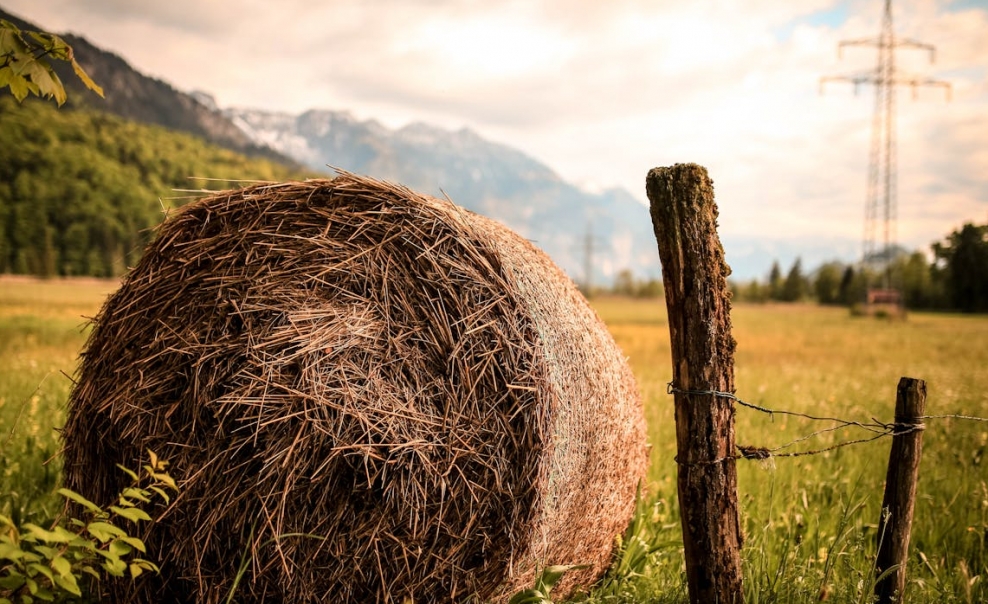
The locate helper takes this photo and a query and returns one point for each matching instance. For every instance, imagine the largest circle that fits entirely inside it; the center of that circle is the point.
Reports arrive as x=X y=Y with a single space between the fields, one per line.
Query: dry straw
x=366 y=394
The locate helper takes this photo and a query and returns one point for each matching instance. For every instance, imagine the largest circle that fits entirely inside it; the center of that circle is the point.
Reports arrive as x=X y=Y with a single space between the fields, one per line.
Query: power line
x=881 y=193
x=878 y=428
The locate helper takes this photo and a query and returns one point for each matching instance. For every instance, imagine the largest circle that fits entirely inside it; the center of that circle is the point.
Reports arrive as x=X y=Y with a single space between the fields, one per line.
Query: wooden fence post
x=900 y=490
x=684 y=217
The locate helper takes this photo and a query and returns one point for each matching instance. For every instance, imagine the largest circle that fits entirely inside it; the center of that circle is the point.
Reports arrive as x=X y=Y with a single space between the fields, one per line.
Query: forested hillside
x=79 y=190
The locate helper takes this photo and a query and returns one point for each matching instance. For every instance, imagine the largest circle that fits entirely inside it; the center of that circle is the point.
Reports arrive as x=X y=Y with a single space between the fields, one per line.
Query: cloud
x=604 y=91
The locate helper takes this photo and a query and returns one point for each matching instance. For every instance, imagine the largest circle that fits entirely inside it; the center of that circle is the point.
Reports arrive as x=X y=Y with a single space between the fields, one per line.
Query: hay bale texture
x=374 y=394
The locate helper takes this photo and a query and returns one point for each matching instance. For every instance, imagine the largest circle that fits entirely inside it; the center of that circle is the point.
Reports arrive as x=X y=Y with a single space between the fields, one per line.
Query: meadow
x=810 y=522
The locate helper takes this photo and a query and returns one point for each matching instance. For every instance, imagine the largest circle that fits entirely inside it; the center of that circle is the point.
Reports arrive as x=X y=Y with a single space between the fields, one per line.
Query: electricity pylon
x=882 y=156
x=588 y=262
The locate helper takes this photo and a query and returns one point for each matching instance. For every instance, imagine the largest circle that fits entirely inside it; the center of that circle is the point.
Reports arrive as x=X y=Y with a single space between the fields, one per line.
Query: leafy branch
x=38 y=564
x=25 y=63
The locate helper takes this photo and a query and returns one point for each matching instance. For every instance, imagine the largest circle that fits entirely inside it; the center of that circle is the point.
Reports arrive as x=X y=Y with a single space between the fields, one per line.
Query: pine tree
x=795 y=284
x=775 y=282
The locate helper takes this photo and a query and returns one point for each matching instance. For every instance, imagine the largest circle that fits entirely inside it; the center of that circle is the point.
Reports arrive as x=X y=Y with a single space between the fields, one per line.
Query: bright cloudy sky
x=602 y=91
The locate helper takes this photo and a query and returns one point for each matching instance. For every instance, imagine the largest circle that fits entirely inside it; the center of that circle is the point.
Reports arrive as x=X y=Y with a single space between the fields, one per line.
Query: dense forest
x=80 y=190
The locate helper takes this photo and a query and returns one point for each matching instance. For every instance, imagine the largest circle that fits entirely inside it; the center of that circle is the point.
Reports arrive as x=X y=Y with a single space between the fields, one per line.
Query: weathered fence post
x=694 y=274
x=900 y=490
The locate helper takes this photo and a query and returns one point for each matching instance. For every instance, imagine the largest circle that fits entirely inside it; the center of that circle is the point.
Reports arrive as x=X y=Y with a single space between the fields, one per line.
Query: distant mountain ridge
x=483 y=176
x=611 y=227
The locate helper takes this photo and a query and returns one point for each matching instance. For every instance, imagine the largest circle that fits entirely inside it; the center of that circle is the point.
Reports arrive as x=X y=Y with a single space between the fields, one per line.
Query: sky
x=603 y=91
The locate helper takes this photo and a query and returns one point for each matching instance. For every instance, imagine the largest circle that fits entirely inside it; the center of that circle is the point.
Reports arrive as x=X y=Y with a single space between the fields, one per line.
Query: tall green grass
x=810 y=522
x=42 y=330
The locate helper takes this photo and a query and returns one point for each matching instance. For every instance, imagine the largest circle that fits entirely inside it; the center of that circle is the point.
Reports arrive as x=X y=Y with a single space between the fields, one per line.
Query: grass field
x=810 y=522
x=42 y=330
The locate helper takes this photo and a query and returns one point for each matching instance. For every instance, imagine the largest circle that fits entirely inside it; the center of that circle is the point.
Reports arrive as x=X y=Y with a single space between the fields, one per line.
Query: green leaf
x=25 y=54
x=68 y=583
x=45 y=78
x=135 y=570
x=56 y=536
x=135 y=543
x=135 y=493
x=129 y=472
x=115 y=566
x=89 y=571
x=12 y=581
x=58 y=49
x=9 y=551
x=146 y=564
x=34 y=569
x=89 y=83
x=28 y=556
x=104 y=531
x=81 y=547
x=530 y=596
x=552 y=574
x=119 y=548
x=165 y=479
x=11 y=39
x=61 y=566
x=133 y=514
x=63 y=535
x=161 y=493
x=40 y=37
x=18 y=86
x=46 y=551
x=6 y=73
x=76 y=497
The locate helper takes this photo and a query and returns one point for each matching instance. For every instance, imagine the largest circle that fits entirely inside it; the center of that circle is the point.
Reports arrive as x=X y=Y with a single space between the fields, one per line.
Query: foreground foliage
x=60 y=563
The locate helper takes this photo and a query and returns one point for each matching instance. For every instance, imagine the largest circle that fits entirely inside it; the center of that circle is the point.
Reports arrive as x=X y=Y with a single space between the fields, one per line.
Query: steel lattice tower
x=880 y=203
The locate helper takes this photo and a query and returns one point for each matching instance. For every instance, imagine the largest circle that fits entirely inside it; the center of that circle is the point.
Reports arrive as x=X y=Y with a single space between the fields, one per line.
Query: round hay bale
x=369 y=393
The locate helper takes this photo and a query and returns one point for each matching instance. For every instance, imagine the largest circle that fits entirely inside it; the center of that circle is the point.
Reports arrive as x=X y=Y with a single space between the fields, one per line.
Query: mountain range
x=607 y=230
x=611 y=229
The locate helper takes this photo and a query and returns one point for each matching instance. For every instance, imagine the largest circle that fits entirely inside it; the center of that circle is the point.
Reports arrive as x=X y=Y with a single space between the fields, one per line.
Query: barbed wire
x=954 y=416
x=879 y=428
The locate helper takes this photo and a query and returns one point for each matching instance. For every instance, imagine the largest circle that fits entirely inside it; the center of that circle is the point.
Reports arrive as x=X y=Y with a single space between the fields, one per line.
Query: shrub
x=59 y=564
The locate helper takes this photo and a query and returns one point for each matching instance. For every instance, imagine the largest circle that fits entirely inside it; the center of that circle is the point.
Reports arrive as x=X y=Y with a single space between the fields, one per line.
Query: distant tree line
x=955 y=277
x=626 y=284
x=80 y=190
